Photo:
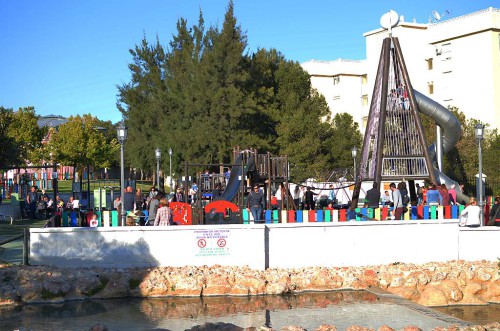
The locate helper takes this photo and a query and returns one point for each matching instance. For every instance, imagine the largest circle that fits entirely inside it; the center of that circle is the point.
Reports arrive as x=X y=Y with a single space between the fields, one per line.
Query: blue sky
x=66 y=57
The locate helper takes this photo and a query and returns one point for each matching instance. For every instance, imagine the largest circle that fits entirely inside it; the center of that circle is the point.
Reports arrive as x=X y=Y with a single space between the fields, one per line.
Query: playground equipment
x=249 y=168
x=394 y=146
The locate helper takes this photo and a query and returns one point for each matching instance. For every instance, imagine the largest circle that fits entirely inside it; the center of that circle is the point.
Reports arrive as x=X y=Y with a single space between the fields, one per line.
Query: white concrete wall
x=479 y=243
x=292 y=245
x=362 y=243
x=177 y=246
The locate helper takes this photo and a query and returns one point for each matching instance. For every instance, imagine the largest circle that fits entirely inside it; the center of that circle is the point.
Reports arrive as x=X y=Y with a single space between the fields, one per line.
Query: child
x=274 y=202
x=93 y=221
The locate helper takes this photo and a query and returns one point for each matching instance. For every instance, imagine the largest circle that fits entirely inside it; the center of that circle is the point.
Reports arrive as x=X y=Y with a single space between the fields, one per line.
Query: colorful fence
x=360 y=214
x=111 y=218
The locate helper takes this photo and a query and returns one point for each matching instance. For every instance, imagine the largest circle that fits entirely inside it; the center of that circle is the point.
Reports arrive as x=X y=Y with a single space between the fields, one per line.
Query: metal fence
x=492 y=187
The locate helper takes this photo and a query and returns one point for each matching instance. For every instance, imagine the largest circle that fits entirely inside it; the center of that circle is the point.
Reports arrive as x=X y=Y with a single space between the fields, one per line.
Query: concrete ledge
x=261 y=246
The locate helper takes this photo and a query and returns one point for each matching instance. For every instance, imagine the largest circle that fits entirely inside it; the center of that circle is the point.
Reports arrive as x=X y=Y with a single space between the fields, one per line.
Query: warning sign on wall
x=212 y=242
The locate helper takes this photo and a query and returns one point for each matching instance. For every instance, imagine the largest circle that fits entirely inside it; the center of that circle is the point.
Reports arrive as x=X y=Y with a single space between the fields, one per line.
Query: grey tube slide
x=452 y=131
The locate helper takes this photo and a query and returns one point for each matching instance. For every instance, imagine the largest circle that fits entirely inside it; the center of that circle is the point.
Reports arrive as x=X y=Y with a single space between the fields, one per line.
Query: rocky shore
x=430 y=284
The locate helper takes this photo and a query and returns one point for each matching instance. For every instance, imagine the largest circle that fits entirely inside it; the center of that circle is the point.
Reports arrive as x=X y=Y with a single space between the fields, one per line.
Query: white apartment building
x=344 y=85
x=455 y=62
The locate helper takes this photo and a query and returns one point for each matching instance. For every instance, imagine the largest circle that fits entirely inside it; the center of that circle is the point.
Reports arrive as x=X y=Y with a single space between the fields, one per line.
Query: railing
x=25 y=235
x=359 y=214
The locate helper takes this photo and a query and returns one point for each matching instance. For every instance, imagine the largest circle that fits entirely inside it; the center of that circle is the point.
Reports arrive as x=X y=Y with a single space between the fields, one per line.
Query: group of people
x=41 y=205
x=155 y=204
x=434 y=195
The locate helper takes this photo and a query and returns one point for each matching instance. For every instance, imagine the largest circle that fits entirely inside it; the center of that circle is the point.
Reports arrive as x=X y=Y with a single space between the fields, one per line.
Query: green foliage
x=205 y=95
x=80 y=142
x=8 y=146
x=462 y=161
x=20 y=137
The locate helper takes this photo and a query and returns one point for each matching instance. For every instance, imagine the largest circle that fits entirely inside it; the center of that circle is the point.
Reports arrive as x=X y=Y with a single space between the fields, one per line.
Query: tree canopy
x=20 y=137
x=204 y=94
x=81 y=142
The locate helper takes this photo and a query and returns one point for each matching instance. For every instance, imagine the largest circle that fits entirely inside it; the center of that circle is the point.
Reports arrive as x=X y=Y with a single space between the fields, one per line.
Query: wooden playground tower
x=264 y=170
x=394 y=146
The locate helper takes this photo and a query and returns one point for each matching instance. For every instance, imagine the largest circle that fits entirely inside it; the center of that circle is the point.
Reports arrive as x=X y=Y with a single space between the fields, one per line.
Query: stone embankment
x=430 y=284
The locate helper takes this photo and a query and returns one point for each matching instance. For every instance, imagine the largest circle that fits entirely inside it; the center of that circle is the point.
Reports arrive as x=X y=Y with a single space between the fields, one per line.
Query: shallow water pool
x=309 y=310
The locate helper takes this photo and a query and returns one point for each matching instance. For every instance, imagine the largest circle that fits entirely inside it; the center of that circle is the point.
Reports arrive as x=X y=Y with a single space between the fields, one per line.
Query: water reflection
x=340 y=308
x=475 y=314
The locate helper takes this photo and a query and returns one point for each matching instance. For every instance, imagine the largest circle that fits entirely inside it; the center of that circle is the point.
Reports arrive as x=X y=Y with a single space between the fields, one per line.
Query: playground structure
x=394 y=145
x=248 y=168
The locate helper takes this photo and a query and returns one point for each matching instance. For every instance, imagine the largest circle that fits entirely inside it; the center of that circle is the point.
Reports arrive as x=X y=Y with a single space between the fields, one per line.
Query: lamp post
x=158 y=157
x=479 y=131
x=121 y=132
x=170 y=157
x=54 y=178
x=354 y=153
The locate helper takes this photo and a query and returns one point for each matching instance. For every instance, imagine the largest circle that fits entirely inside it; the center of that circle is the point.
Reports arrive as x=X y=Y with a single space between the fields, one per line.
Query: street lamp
x=121 y=132
x=54 y=178
x=170 y=156
x=354 y=152
x=479 y=131
x=158 y=157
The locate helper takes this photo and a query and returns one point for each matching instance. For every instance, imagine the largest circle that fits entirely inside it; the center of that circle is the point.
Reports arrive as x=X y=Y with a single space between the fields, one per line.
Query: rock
x=432 y=296
x=326 y=327
x=99 y=327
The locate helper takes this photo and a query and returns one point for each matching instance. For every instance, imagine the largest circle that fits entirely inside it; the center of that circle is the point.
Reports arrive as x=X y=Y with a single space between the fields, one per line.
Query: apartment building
x=455 y=62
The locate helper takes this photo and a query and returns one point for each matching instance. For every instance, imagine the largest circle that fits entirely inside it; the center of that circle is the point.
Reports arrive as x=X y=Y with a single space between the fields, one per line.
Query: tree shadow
x=62 y=249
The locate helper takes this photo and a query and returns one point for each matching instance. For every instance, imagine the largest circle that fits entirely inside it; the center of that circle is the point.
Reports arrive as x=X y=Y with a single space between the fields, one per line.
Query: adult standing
x=398 y=202
x=296 y=196
x=139 y=200
x=309 y=196
x=470 y=216
x=373 y=196
x=164 y=214
x=255 y=203
x=420 y=194
x=433 y=196
x=178 y=196
x=32 y=199
x=128 y=199
x=445 y=198
x=452 y=194
x=154 y=204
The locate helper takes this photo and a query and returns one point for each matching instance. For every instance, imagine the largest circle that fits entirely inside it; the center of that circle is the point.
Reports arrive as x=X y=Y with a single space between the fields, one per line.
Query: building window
x=364 y=122
x=336 y=98
x=336 y=80
x=430 y=88
x=364 y=100
x=364 y=80
x=429 y=64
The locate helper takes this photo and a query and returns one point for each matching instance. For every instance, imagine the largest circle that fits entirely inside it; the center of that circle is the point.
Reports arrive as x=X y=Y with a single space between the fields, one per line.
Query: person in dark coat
x=309 y=195
x=178 y=196
x=129 y=199
x=373 y=196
